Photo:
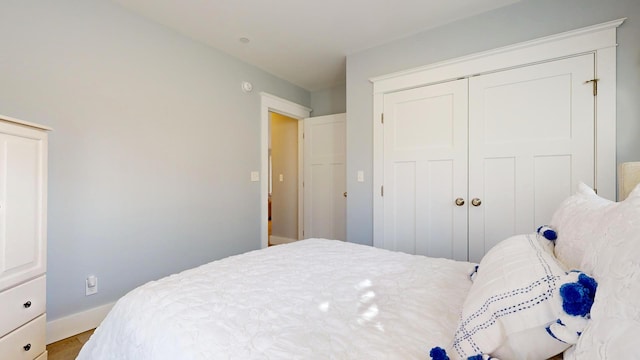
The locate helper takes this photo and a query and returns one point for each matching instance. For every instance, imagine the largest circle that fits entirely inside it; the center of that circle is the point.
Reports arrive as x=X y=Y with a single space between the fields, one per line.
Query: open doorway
x=273 y=104
x=283 y=177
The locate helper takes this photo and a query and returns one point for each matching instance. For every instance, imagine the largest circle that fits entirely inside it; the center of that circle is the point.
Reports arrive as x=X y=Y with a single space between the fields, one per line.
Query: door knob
x=476 y=202
x=459 y=201
x=344 y=194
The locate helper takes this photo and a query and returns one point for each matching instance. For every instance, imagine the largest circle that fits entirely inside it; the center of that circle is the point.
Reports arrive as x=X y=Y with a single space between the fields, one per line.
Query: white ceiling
x=302 y=41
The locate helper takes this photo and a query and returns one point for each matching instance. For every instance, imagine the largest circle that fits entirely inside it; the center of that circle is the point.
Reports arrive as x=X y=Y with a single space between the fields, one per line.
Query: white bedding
x=312 y=299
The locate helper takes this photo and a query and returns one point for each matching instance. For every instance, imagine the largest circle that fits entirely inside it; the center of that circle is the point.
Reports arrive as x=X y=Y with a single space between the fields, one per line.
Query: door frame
x=597 y=39
x=272 y=103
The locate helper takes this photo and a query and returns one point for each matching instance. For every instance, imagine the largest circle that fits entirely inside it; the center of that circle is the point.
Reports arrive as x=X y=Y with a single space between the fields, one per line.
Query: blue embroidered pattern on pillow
x=502 y=304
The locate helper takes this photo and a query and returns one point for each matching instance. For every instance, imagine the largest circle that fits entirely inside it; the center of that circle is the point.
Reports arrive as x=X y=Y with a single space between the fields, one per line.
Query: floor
x=69 y=348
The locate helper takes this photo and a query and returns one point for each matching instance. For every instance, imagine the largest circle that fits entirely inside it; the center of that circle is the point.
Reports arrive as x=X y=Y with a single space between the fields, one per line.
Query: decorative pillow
x=614 y=261
x=576 y=222
x=514 y=309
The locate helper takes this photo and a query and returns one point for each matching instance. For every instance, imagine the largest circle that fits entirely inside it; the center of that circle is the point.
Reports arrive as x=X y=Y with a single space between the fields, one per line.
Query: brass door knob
x=476 y=202
x=459 y=201
x=344 y=194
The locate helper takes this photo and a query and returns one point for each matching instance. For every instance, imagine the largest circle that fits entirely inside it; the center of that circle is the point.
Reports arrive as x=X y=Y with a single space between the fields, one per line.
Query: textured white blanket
x=313 y=299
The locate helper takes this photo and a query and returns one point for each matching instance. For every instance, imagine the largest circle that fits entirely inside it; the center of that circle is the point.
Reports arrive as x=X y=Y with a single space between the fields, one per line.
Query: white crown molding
x=24 y=123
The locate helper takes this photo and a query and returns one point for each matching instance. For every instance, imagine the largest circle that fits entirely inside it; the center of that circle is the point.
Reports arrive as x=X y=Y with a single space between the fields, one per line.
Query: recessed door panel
x=552 y=183
x=546 y=100
x=499 y=201
x=22 y=206
x=437 y=215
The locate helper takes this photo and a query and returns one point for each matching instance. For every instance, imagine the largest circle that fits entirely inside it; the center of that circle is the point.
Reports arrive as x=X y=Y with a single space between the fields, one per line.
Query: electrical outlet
x=91 y=285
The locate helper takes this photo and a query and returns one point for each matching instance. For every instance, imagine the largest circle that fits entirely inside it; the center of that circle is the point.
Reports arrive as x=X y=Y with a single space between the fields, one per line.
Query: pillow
x=576 y=222
x=510 y=303
x=614 y=261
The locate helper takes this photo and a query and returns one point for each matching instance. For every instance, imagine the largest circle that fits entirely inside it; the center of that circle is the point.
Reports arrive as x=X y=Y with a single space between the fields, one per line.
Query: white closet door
x=531 y=140
x=425 y=170
x=325 y=154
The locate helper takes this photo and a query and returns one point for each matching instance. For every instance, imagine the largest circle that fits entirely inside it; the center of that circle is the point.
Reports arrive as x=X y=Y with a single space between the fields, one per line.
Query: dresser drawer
x=25 y=343
x=22 y=303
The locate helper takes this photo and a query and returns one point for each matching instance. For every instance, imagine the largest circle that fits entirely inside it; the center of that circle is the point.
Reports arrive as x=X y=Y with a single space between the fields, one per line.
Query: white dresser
x=23 y=239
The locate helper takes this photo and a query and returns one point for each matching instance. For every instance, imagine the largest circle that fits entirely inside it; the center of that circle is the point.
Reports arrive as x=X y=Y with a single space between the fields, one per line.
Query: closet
x=23 y=203
x=462 y=164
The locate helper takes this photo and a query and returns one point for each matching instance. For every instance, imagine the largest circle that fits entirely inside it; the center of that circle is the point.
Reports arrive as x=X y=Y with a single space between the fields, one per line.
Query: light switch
x=281 y=177
x=255 y=176
x=360 y=176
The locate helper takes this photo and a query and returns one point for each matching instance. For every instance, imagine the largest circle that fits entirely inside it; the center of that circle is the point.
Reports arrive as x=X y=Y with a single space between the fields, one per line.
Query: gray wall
x=522 y=21
x=152 y=148
x=329 y=101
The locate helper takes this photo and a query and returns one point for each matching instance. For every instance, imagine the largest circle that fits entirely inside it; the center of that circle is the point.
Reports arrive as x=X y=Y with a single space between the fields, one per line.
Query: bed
x=328 y=299
x=309 y=299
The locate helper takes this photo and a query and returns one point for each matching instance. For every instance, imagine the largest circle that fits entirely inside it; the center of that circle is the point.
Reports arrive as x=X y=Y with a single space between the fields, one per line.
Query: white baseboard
x=277 y=240
x=77 y=323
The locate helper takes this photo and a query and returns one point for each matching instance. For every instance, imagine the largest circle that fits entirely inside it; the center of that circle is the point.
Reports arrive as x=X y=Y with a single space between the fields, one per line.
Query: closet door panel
x=499 y=201
x=404 y=219
x=438 y=217
x=21 y=209
x=425 y=157
x=542 y=117
x=548 y=193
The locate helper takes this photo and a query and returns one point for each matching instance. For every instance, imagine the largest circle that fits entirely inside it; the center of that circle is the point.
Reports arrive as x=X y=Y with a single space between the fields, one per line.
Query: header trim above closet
x=569 y=43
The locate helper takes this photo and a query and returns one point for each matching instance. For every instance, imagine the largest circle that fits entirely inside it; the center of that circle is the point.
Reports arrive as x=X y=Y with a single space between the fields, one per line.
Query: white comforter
x=313 y=299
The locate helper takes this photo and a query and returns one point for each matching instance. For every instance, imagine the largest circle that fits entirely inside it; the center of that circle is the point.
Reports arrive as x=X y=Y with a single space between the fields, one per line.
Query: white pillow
x=576 y=222
x=511 y=302
x=614 y=261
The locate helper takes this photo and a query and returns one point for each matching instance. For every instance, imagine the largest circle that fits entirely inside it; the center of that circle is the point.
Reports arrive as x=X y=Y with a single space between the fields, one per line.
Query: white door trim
x=598 y=39
x=278 y=105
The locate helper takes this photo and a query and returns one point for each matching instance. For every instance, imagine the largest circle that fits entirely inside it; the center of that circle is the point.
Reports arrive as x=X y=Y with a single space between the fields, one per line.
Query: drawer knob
x=27 y=347
x=27 y=304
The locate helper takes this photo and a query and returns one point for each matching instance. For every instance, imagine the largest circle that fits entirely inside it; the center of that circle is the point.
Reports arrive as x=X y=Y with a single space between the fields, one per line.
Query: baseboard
x=77 y=323
x=277 y=240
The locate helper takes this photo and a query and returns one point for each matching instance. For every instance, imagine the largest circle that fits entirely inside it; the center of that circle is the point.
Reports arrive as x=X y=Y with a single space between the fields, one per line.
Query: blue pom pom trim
x=475 y=357
x=548 y=328
x=547 y=232
x=589 y=283
x=578 y=297
x=474 y=272
x=438 y=353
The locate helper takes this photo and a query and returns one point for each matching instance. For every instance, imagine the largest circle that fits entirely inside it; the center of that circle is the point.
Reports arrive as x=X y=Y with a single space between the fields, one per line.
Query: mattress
x=312 y=299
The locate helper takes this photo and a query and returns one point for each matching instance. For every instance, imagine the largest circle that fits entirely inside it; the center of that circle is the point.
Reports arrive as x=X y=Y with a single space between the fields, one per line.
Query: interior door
x=531 y=140
x=324 y=177
x=425 y=170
